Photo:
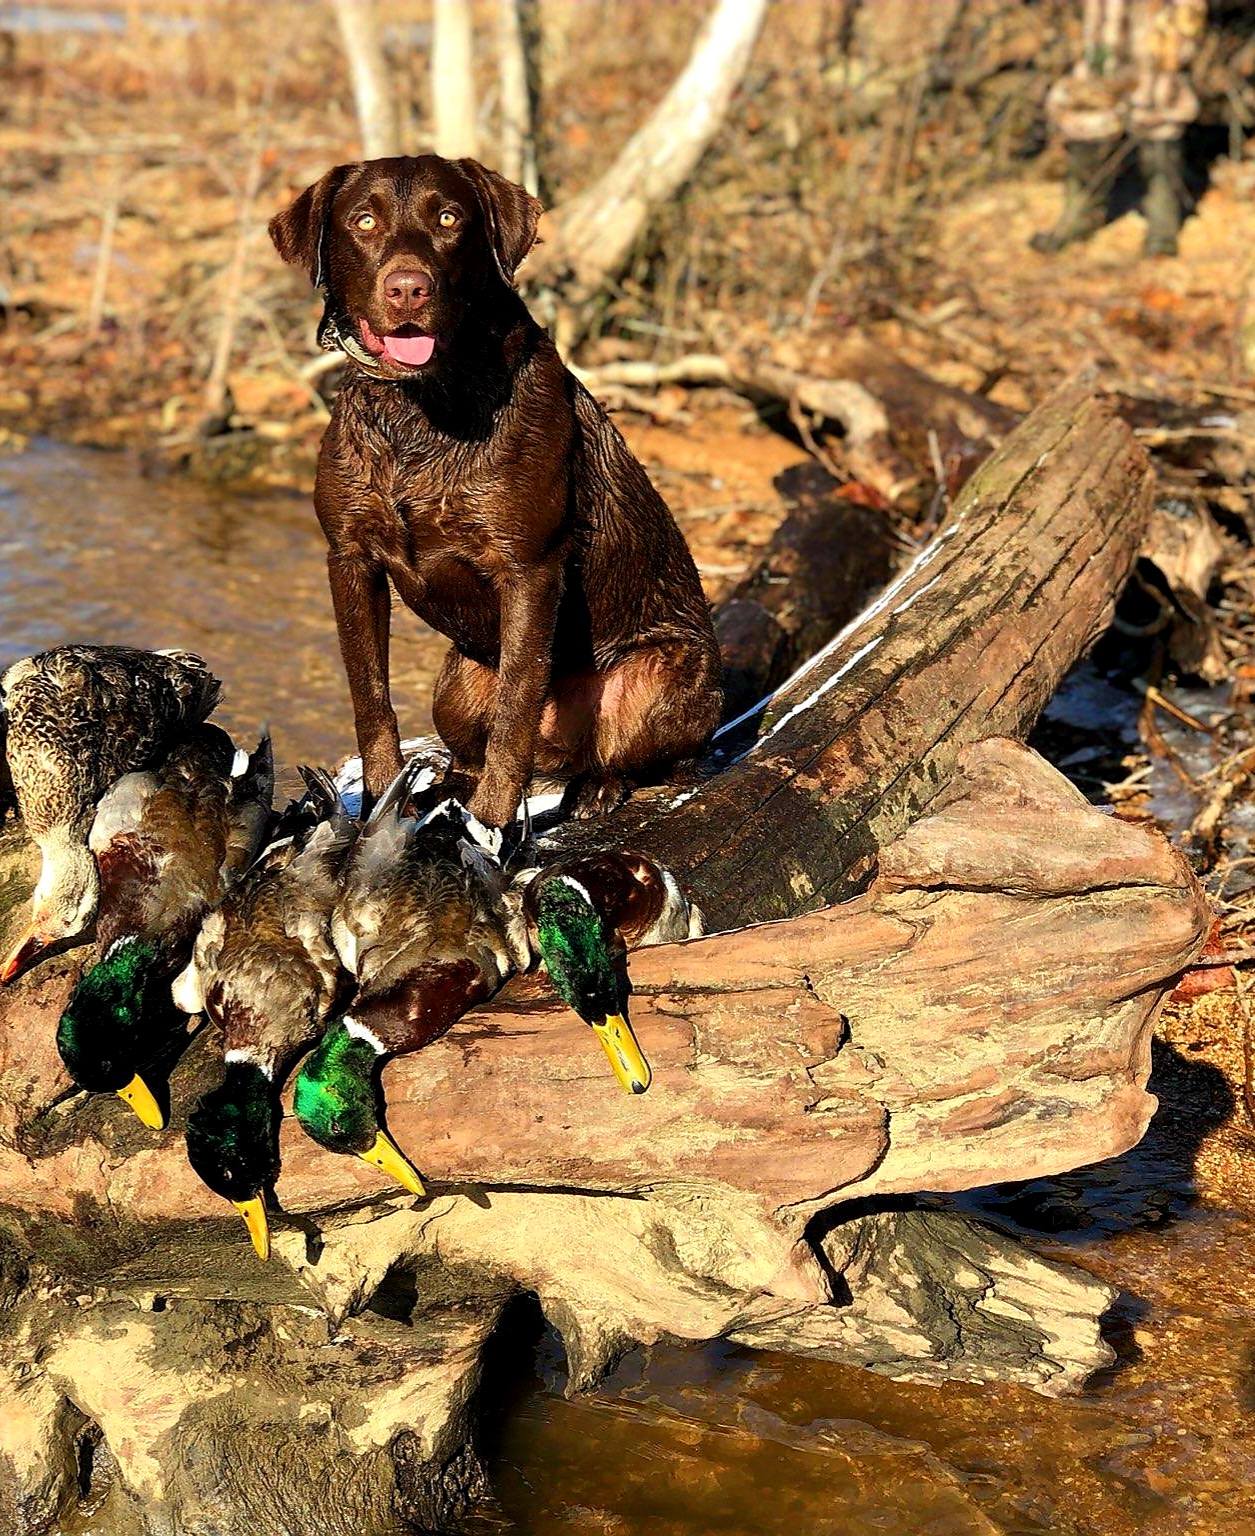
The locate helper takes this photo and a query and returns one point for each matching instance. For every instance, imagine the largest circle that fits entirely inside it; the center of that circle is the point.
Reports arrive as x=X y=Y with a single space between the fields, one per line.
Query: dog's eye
x=448 y=218
x=365 y=221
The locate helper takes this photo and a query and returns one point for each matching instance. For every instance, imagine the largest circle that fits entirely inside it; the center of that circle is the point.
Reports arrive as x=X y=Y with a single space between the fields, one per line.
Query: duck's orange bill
x=138 y=1096
x=387 y=1156
x=23 y=957
x=254 y=1214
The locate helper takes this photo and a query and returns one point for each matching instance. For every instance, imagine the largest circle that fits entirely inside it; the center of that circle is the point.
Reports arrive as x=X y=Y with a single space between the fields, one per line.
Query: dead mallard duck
x=169 y=843
x=79 y=717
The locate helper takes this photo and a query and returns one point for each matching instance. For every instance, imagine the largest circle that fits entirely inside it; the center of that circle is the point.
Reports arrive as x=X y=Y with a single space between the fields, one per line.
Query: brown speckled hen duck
x=265 y=971
x=79 y=717
x=169 y=844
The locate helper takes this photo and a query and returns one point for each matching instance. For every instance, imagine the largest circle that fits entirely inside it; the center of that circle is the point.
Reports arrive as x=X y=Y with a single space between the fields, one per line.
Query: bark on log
x=970 y=641
x=822 y=565
x=982 y=1013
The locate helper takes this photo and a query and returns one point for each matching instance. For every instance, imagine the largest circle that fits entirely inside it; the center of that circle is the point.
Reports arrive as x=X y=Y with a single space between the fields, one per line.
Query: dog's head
x=405 y=249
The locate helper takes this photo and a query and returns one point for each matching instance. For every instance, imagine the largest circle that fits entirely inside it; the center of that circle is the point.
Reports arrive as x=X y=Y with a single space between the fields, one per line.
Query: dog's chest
x=425 y=505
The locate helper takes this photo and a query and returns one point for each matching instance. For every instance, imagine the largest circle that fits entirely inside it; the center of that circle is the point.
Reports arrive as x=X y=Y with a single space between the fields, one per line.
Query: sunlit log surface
x=982 y=1013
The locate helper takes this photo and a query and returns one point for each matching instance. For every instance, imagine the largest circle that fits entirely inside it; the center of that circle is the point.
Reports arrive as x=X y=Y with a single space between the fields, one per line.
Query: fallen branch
x=884 y=408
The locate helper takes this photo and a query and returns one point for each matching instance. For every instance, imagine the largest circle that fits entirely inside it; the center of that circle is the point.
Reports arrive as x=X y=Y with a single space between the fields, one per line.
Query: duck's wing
x=49 y=751
x=6 y=778
x=81 y=716
x=196 y=691
x=249 y=809
x=375 y=871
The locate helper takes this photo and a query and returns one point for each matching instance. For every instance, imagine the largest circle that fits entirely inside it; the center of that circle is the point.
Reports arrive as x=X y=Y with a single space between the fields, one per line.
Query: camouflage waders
x=1131 y=81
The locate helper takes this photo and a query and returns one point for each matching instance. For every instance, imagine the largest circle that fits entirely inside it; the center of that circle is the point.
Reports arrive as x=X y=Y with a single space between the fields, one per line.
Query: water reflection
x=92 y=550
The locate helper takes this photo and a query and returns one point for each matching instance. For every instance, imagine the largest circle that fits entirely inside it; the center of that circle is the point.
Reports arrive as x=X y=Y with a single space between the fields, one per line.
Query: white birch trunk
x=368 y=70
x=597 y=230
x=453 y=79
x=518 y=148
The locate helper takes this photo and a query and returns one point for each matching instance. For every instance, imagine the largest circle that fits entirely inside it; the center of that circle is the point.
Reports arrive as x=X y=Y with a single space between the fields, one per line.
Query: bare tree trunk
x=372 y=93
x=518 y=145
x=216 y=404
x=453 y=78
x=597 y=230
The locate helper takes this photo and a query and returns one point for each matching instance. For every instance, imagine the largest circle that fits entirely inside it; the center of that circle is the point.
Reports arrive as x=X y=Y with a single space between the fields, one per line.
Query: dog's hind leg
x=656 y=708
x=463 y=707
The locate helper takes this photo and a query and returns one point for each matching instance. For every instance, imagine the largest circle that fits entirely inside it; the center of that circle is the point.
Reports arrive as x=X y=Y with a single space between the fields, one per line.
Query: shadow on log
x=821 y=567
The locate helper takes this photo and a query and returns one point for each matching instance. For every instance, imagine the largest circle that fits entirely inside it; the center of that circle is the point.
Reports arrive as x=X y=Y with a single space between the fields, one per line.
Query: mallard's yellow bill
x=254 y=1214
x=138 y=1095
x=626 y=1057
x=386 y=1155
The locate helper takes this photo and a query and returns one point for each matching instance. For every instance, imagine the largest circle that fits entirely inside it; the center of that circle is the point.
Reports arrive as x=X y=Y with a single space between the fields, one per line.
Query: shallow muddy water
x=90 y=549
x=712 y=1441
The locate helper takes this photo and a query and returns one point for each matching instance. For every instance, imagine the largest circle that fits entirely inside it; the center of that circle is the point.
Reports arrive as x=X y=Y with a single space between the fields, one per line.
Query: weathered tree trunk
x=453 y=78
x=368 y=70
x=594 y=233
x=970 y=641
x=518 y=145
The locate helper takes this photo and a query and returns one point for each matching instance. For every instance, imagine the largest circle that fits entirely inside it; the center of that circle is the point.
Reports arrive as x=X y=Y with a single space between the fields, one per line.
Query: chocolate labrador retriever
x=467 y=467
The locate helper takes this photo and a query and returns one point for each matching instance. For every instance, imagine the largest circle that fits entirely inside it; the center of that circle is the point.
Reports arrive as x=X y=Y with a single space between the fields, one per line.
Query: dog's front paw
x=595 y=794
x=495 y=800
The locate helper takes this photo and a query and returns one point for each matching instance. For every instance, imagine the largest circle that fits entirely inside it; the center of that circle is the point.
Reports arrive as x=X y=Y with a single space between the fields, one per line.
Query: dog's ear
x=511 y=215
x=300 y=231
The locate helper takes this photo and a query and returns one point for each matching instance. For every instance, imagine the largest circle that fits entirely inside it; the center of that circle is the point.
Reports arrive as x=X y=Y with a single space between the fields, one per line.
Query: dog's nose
x=409 y=288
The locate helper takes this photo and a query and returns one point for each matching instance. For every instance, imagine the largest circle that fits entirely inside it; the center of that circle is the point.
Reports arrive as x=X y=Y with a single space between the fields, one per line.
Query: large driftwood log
x=982 y=1013
x=970 y=641
x=978 y=1015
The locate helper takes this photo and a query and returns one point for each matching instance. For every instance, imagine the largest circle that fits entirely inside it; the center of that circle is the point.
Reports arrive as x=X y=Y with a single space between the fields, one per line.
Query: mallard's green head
x=336 y=1102
x=233 y=1144
x=572 y=939
x=113 y=1026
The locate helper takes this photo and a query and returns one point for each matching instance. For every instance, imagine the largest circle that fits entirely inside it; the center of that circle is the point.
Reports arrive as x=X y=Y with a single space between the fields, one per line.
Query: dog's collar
x=331 y=338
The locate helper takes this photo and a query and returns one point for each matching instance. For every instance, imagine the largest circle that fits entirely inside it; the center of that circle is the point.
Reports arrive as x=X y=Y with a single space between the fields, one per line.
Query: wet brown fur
x=496 y=498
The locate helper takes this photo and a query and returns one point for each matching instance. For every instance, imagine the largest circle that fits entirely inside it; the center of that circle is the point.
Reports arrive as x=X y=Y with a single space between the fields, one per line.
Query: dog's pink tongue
x=414 y=350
